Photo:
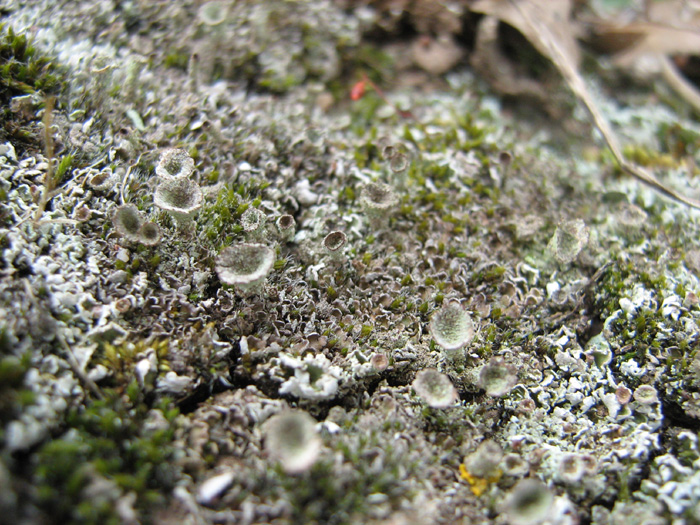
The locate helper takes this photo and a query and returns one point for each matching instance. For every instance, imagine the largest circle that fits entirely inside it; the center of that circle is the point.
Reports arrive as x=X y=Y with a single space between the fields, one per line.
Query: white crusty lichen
x=675 y=481
x=214 y=486
x=312 y=376
x=577 y=419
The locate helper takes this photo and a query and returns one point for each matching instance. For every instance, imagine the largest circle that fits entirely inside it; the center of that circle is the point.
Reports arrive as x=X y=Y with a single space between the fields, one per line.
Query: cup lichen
x=245 y=266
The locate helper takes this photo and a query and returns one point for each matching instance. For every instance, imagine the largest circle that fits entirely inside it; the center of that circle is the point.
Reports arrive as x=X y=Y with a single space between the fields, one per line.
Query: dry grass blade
x=552 y=14
x=651 y=39
x=679 y=83
x=647 y=47
x=49 y=182
x=534 y=20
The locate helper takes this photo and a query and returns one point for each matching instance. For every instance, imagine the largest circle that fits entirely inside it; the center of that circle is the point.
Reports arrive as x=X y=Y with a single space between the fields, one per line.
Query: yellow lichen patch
x=479 y=485
x=649 y=158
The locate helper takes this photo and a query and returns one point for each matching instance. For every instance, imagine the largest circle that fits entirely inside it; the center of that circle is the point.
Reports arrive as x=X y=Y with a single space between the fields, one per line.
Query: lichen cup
x=245 y=266
x=181 y=198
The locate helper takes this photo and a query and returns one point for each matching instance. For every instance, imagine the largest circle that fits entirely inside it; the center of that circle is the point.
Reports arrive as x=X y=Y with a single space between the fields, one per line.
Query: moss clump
x=63 y=168
x=648 y=157
x=493 y=274
x=219 y=220
x=611 y=287
x=120 y=360
x=13 y=397
x=109 y=451
x=23 y=71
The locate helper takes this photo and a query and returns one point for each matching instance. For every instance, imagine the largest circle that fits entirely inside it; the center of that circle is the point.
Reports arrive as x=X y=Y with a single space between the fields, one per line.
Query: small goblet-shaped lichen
x=149 y=234
x=180 y=197
x=452 y=327
x=334 y=241
x=378 y=200
x=127 y=221
x=212 y=13
x=102 y=181
x=286 y=227
x=497 y=377
x=291 y=438
x=435 y=388
x=245 y=266
x=253 y=222
x=174 y=163
x=529 y=502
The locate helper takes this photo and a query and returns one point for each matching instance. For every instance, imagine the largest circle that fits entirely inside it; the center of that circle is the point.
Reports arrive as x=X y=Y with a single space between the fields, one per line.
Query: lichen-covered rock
x=477 y=321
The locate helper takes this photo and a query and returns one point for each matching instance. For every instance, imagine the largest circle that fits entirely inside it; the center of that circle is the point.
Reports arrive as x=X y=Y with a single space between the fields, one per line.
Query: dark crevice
x=470 y=397
x=239 y=379
x=634 y=483
x=689 y=66
x=379 y=36
x=372 y=385
x=520 y=51
x=586 y=519
x=605 y=500
x=594 y=328
x=675 y=416
x=200 y=394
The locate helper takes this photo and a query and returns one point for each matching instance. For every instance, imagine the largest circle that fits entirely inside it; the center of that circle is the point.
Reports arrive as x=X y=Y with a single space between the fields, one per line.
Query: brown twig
x=679 y=83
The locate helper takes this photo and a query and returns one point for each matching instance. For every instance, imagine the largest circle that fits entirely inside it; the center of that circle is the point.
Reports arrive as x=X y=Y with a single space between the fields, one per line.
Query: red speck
x=358 y=90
